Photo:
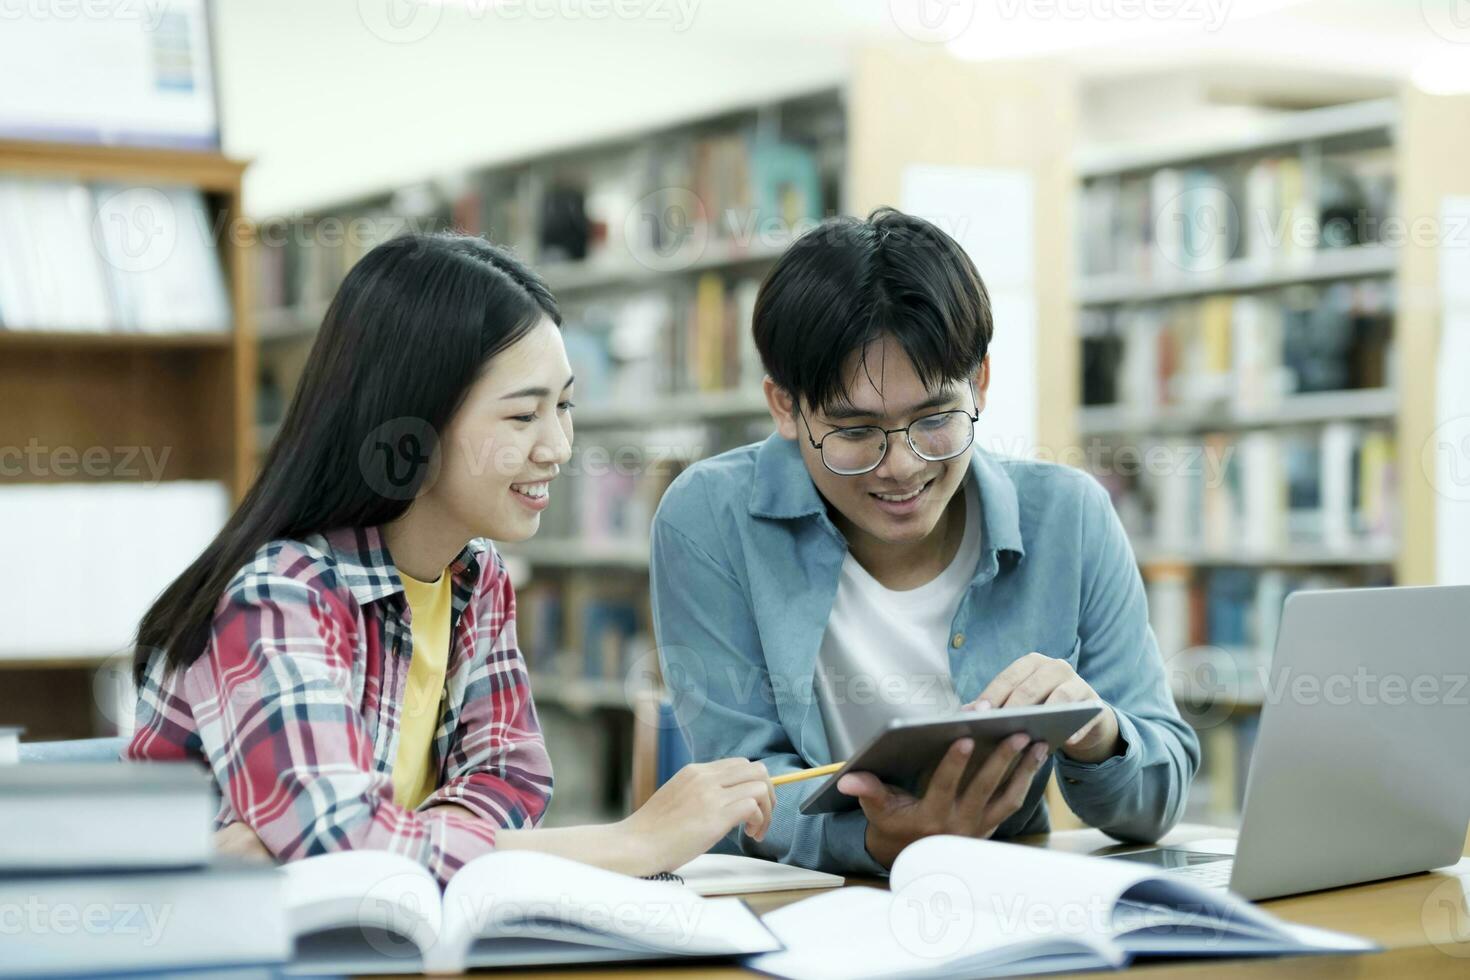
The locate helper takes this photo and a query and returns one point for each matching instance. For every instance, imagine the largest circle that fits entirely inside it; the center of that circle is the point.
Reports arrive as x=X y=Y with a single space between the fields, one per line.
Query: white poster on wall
x=990 y=213
x=135 y=73
x=1445 y=458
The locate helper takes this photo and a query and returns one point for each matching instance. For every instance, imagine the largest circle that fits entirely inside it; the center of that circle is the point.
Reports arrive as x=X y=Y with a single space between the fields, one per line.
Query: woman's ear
x=783 y=411
x=982 y=384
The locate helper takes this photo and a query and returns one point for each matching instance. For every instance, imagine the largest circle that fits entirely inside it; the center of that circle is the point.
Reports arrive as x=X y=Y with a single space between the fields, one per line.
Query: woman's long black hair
x=408 y=332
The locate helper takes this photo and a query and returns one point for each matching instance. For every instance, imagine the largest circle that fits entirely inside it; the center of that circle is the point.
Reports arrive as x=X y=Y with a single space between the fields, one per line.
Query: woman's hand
x=698 y=806
x=239 y=840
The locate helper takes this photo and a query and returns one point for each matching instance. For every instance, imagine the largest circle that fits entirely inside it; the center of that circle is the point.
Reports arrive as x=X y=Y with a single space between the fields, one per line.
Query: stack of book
x=108 y=868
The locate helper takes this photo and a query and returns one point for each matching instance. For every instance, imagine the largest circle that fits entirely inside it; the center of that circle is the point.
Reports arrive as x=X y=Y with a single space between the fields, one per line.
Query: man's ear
x=982 y=384
x=783 y=409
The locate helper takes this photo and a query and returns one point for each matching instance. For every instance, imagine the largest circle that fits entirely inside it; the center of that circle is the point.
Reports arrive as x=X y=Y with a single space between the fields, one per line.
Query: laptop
x=1361 y=769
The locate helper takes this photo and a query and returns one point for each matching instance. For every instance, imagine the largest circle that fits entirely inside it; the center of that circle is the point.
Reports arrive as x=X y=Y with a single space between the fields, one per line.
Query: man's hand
x=1039 y=679
x=239 y=840
x=896 y=819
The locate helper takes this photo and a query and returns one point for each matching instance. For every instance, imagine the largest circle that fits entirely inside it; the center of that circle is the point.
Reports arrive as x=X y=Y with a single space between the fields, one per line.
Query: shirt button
x=958 y=641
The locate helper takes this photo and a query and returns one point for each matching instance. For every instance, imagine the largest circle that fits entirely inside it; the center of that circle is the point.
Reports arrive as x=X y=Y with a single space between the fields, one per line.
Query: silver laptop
x=1361 y=768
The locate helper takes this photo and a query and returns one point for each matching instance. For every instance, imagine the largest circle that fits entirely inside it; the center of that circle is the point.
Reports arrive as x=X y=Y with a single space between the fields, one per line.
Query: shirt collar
x=365 y=565
x=784 y=490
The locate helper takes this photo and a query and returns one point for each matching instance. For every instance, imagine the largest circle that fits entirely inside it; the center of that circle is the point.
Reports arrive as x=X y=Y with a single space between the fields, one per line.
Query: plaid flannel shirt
x=295 y=706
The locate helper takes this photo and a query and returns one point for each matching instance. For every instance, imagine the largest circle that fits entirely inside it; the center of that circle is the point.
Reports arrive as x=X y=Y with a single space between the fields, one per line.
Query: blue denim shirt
x=745 y=570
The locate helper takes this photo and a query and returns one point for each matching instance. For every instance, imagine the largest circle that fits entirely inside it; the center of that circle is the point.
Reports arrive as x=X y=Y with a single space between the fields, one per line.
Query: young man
x=866 y=563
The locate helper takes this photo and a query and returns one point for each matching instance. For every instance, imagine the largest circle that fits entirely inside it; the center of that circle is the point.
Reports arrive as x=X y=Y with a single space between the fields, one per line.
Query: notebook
x=377 y=912
x=733 y=874
x=978 y=908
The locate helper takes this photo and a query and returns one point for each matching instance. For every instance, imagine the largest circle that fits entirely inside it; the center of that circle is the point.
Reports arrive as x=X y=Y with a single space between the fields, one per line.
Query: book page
x=392 y=899
x=1034 y=890
x=862 y=932
x=530 y=895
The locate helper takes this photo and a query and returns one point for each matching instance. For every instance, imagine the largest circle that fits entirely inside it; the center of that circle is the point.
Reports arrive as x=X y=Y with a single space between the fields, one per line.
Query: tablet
x=906 y=752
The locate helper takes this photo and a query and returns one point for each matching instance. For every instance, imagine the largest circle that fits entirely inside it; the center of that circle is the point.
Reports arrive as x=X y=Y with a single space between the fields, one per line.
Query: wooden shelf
x=1241 y=276
x=116 y=340
x=183 y=398
x=58 y=661
x=1310 y=409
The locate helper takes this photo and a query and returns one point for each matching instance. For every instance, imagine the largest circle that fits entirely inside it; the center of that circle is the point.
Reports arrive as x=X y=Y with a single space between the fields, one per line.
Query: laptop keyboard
x=1215 y=874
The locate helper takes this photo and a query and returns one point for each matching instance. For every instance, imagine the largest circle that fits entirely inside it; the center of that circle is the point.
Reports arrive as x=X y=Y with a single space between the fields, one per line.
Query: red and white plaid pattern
x=295 y=706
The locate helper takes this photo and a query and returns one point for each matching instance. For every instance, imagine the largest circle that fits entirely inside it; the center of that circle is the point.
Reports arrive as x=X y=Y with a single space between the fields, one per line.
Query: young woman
x=343 y=655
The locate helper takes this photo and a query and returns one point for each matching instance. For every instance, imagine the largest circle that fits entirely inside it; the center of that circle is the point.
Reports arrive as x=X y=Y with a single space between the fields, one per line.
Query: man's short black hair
x=846 y=283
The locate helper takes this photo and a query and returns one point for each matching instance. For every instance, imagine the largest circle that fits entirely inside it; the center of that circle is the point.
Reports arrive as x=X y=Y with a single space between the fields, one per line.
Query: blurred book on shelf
x=77 y=257
x=1330 y=490
x=1272 y=210
x=1242 y=354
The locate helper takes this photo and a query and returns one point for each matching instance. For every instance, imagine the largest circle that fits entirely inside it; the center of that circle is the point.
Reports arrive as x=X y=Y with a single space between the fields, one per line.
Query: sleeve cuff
x=846 y=835
x=1102 y=779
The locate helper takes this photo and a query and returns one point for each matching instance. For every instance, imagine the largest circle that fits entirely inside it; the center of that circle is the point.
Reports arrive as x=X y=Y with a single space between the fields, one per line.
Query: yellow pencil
x=798 y=776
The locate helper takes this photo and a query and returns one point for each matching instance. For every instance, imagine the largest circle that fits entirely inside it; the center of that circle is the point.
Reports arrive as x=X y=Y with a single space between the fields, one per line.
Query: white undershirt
x=885 y=654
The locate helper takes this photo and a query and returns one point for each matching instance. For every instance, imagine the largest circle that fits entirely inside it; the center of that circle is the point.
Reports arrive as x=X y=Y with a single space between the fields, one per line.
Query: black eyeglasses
x=858 y=449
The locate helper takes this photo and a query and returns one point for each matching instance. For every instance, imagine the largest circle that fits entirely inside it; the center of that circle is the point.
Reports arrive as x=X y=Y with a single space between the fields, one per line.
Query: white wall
x=327 y=109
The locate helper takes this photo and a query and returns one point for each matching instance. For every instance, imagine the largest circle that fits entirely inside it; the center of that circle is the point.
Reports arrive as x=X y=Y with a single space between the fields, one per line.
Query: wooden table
x=1422 y=921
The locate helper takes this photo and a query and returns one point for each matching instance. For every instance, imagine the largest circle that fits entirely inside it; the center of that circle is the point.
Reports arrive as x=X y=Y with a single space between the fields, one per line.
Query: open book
x=376 y=912
x=981 y=908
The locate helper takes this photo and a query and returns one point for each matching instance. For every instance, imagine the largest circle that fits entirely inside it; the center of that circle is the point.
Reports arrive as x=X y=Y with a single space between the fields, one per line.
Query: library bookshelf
x=184 y=393
x=1314 y=356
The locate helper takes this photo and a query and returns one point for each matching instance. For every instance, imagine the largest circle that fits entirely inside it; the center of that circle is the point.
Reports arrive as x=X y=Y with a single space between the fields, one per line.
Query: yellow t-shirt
x=414 y=775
